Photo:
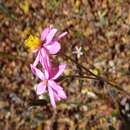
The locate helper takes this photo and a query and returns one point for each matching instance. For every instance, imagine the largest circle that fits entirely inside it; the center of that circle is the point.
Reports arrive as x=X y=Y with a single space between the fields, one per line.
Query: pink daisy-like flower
x=48 y=82
x=50 y=45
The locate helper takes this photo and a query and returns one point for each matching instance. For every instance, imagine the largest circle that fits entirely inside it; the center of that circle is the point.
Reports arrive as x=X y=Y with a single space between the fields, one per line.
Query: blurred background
x=98 y=38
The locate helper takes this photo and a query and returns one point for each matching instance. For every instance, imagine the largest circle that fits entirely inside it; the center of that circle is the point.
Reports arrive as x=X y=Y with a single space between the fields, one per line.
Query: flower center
x=33 y=42
x=45 y=82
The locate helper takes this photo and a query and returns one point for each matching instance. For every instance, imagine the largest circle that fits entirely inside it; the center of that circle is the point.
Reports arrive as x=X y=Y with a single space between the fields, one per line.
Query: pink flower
x=50 y=45
x=56 y=92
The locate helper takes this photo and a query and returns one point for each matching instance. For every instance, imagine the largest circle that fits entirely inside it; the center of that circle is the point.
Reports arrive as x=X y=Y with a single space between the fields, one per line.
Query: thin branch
x=78 y=76
x=98 y=77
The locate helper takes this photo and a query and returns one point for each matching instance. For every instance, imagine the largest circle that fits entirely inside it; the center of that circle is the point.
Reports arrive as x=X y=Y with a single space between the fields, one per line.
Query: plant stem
x=97 y=76
x=79 y=76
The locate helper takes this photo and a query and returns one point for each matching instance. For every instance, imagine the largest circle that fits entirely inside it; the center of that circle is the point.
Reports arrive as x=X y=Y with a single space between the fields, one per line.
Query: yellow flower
x=33 y=42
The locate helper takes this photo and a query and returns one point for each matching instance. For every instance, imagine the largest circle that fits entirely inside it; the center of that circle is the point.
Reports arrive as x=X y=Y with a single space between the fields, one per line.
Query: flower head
x=44 y=46
x=78 y=52
x=46 y=40
x=56 y=92
x=33 y=42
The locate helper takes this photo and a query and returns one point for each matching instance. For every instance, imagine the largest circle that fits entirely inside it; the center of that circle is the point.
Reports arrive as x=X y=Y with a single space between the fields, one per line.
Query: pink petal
x=40 y=89
x=44 y=33
x=60 y=70
x=53 y=47
x=62 y=94
x=62 y=35
x=54 y=85
x=45 y=61
x=57 y=88
x=43 y=53
x=50 y=35
x=57 y=98
x=36 y=60
x=37 y=72
x=46 y=73
x=44 y=57
x=51 y=97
